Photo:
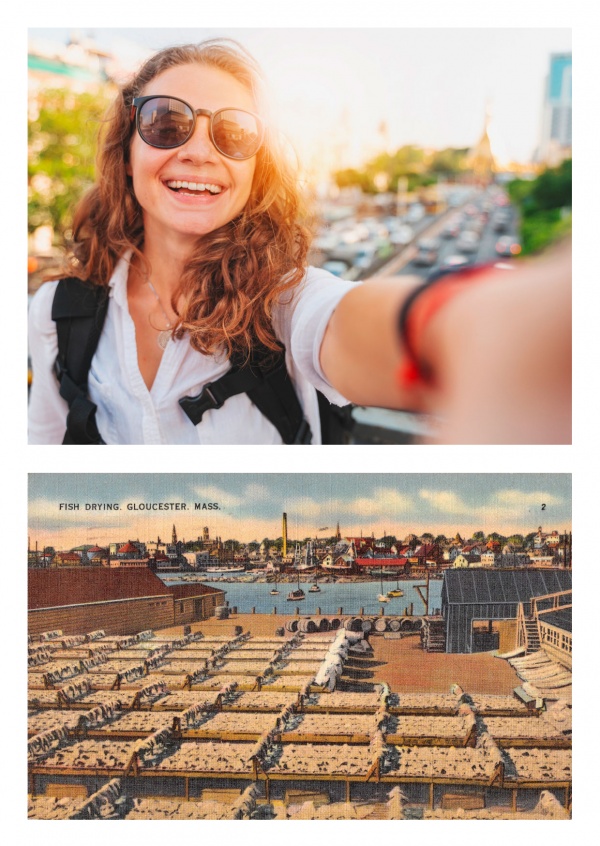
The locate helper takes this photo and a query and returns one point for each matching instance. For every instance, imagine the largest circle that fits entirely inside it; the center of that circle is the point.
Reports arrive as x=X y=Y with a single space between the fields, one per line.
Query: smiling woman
x=187 y=313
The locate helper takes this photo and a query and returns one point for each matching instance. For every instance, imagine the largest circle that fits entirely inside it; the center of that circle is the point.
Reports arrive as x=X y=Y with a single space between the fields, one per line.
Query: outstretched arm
x=499 y=353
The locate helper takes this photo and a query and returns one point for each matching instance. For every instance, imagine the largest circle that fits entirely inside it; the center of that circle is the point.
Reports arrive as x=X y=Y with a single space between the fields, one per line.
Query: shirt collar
x=118 y=281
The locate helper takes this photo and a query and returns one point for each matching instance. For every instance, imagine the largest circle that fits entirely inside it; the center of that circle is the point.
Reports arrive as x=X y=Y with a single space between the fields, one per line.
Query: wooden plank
x=297 y=797
x=469 y=802
x=407 y=740
x=298 y=737
x=66 y=791
x=221 y=794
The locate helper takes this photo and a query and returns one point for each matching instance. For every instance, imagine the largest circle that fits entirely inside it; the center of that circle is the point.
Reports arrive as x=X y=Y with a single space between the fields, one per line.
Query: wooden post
x=267 y=790
x=340 y=610
x=567 y=798
x=187 y=789
x=253 y=610
x=318 y=611
x=274 y=609
x=361 y=613
x=431 y=795
x=514 y=799
x=347 y=790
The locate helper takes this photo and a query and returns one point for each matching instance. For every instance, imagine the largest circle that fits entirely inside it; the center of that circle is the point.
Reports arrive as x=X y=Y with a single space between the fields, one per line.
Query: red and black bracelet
x=418 y=309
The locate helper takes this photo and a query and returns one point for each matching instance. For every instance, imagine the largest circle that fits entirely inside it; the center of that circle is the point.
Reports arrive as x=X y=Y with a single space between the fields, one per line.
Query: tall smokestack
x=284 y=534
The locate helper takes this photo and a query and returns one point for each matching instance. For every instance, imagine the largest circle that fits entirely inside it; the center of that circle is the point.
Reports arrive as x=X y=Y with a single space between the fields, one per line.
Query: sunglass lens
x=165 y=122
x=236 y=134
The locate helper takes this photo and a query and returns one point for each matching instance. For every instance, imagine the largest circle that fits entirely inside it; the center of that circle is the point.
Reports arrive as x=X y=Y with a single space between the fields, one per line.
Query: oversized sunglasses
x=168 y=122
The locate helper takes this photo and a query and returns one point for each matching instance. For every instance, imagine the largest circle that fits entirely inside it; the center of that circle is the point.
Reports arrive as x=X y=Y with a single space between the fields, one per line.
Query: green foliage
x=409 y=162
x=545 y=207
x=62 y=149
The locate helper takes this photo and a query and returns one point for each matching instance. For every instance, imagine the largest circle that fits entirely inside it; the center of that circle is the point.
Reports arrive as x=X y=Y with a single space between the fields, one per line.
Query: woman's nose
x=199 y=145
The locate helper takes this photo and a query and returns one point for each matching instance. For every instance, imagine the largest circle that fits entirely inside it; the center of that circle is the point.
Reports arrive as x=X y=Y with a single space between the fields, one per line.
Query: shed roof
x=79 y=585
x=464 y=587
x=561 y=618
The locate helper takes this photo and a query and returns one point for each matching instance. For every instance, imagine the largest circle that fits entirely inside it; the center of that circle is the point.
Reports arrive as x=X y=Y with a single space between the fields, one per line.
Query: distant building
x=463 y=561
x=557 y=116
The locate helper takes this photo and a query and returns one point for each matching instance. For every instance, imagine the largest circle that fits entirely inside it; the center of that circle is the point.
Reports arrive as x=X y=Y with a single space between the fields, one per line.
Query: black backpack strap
x=266 y=381
x=337 y=422
x=78 y=309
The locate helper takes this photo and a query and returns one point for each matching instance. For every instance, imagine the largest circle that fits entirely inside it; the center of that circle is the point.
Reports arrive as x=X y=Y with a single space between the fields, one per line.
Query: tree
x=388 y=540
x=544 y=205
x=441 y=539
x=427 y=536
x=62 y=148
x=478 y=536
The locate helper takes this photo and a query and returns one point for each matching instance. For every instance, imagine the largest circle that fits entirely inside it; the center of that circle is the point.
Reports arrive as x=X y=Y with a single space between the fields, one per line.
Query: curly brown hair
x=237 y=272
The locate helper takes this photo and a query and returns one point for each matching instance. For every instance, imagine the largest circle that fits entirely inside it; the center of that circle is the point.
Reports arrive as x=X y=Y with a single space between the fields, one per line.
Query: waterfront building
x=467 y=560
x=472 y=597
x=119 y=601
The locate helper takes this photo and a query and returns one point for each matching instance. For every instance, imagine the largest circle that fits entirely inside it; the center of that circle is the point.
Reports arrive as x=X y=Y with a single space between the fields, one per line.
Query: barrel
x=380 y=624
x=307 y=625
x=406 y=625
x=323 y=624
x=335 y=623
x=280 y=631
x=366 y=625
x=238 y=630
x=292 y=625
x=221 y=612
x=395 y=625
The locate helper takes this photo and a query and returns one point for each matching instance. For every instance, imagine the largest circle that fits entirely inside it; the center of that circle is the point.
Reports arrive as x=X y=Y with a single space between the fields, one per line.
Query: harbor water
x=350 y=596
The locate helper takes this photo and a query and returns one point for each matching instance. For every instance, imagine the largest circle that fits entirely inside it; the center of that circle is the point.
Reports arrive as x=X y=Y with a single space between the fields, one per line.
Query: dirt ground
x=401 y=663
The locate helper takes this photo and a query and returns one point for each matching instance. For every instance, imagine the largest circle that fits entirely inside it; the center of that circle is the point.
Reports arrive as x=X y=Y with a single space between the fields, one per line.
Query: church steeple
x=481 y=158
x=174 y=536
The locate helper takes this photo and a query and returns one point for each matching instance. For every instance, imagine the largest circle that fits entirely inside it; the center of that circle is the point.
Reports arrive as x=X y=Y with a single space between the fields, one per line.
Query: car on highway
x=415 y=213
x=501 y=221
x=365 y=257
x=451 y=228
x=468 y=242
x=507 y=246
x=455 y=260
x=427 y=252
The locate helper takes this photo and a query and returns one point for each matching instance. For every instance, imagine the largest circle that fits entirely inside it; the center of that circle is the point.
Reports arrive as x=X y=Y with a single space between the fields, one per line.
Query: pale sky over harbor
x=250 y=507
x=332 y=87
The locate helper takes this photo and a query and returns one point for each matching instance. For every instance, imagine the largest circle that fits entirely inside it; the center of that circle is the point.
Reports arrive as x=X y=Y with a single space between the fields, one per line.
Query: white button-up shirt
x=129 y=413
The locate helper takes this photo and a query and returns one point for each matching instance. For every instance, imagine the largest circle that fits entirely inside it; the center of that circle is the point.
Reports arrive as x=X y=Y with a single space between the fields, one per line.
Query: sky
x=332 y=87
x=250 y=507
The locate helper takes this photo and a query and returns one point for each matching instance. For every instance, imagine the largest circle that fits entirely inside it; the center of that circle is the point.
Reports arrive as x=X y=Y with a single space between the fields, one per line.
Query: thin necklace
x=164 y=335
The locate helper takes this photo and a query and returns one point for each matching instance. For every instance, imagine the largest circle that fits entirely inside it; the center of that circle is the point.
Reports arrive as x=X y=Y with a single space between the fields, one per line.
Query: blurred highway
x=477 y=227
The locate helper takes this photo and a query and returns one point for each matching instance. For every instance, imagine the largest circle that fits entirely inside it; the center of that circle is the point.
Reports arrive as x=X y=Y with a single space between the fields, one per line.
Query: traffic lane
x=485 y=252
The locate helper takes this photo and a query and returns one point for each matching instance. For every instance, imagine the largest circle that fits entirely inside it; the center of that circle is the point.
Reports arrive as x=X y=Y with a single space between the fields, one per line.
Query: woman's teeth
x=195 y=187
